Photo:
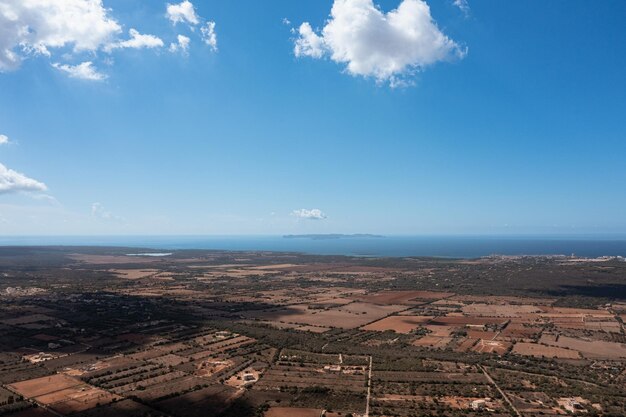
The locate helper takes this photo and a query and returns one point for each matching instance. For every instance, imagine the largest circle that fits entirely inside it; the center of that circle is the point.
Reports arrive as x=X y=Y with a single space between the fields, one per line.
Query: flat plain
x=98 y=332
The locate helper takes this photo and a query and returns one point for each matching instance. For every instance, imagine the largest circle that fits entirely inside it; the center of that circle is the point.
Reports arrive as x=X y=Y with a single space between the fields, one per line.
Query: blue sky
x=516 y=125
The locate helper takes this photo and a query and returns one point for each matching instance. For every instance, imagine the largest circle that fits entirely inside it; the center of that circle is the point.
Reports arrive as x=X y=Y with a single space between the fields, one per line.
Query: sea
x=465 y=246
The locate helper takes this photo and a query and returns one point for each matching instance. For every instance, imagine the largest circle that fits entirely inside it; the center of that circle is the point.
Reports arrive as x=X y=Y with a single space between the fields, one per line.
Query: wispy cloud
x=463 y=5
x=209 y=36
x=4 y=140
x=82 y=71
x=98 y=211
x=136 y=41
x=312 y=214
x=12 y=181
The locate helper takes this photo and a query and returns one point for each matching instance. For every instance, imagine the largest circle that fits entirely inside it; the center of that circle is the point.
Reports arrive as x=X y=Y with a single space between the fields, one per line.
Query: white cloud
x=309 y=43
x=63 y=30
x=185 y=12
x=463 y=5
x=209 y=36
x=386 y=46
x=13 y=181
x=182 y=12
x=4 y=140
x=313 y=214
x=34 y=27
x=182 y=45
x=98 y=211
x=83 y=71
x=136 y=41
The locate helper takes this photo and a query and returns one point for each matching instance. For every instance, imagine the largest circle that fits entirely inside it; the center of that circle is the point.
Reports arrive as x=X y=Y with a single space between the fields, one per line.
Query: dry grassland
x=403 y=297
x=499 y=310
x=539 y=350
x=293 y=412
x=348 y=316
x=134 y=273
x=592 y=349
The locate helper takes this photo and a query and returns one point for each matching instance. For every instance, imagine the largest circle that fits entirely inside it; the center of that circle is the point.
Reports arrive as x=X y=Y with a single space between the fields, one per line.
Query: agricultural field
x=96 y=332
x=63 y=394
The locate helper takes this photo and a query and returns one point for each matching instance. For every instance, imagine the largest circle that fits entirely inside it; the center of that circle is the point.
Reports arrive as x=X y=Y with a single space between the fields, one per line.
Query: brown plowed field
x=399 y=324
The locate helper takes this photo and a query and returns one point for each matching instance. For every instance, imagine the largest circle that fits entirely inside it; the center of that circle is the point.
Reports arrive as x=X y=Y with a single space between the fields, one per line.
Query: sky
x=312 y=116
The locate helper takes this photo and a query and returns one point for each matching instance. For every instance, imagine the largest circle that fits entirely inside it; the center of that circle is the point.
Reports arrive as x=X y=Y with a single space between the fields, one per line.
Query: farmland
x=96 y=332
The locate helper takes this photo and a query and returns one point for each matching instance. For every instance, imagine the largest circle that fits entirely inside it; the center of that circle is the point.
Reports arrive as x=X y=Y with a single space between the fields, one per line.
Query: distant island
x=333 y=236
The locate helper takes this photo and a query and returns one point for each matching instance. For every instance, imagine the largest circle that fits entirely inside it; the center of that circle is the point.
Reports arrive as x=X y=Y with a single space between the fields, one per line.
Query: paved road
x=369 y=390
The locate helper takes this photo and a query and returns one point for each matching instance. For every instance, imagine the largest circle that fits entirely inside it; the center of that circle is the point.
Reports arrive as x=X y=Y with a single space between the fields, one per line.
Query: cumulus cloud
x=388 y=47
x=209 y=36
x=312 y=214
x=13 y=181
x=182 y=45
x=4 y=140
x=67 y=30
x=309 y=43
x=182 y=12
x=83 y=71
x=35 y=27
x=136 y=41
